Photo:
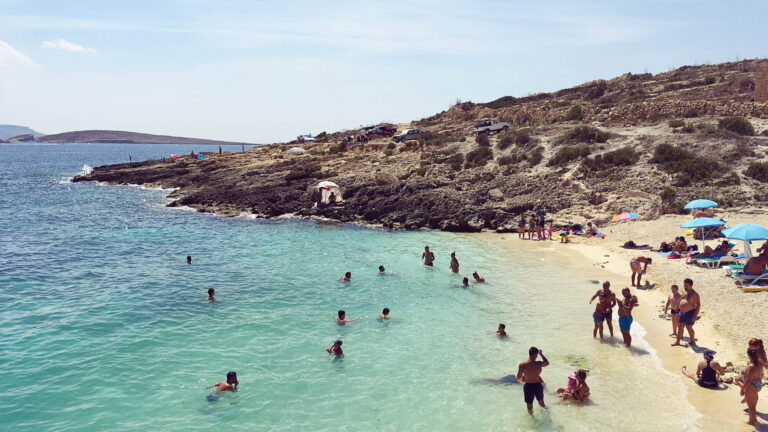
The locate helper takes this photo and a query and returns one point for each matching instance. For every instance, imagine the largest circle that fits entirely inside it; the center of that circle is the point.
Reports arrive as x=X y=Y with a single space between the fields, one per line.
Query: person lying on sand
x=690 y=305
x=577 y=388
x=635 y=264
x=501 y=333
x=680 y=246
x=708 y=372
x=427 y=257
x=341 y=318
x=229 y=385
x=757 y=265
x=347 y=276
x=478 y=278
x=211 y=292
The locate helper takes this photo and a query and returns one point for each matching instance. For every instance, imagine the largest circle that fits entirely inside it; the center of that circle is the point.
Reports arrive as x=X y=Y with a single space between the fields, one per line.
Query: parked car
x=410 y=134
x=490 y=126
x=384 y=131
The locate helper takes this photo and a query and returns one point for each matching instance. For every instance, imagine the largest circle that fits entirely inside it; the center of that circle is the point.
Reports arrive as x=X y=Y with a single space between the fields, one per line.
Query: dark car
x=384 y=131
x=410 y=134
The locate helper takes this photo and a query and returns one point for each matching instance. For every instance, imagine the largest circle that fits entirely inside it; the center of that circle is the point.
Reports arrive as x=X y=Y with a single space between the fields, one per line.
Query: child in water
x=577 y=388
x=384 y=314
x=335 y=349
x=229 y=385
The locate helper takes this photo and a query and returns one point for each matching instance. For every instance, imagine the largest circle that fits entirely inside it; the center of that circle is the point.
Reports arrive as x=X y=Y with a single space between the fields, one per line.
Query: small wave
x=85 y=170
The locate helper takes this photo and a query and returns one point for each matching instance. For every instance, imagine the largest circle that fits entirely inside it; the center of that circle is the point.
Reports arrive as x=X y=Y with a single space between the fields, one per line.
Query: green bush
x=625 y=156
x=421 y=171
x=597 y=91
x=583 y=134
x=522 y=136
x=391 y=146
x=574 y=113
x=506 y=160
x=758 y=171
x=732 y=179
x=483 y=140
x=568 y=154
x=536 y=156
x=746 y=85
x=737 y=124
x=687 y=167
x=437 y=139
x=676 y=123
x=506 y=139
x=478 y=157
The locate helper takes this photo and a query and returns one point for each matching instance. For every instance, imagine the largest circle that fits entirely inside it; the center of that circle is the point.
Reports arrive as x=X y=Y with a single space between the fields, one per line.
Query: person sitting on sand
x=427 y=257
x=454 y=263
x=341 y=318
x=708 y=372
x=603 y=309
x=565 y=235
x=577 y=388
x=625 y=314
x=592 y=230
x=530 y=372
x=690 y=305
x=521 y=227
x=756 y=265
x=335 y=349
x=229 y=385
x=752 y=384
x=634 y=264
x=211 y=292
x=465 y=282
x=500 y=332
x=347 y=276
x=680 y=246
x=673 y=305
x=384 y=315
x=189 y=259
x=381 y=270
x=478 y=278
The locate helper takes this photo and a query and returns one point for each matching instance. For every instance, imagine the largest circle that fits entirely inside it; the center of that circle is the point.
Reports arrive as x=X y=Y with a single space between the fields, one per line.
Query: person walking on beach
x=219 y=150
x=603 y=309
x=229 y=385
x=708 y=371
x=690 y=305
x=427 y=257
x=625 y=314
x=454 y=263
x=673 y=305
x=752 y=385
x=530 y=372
x=341 y=318
x=521 y=227
x=635 y=264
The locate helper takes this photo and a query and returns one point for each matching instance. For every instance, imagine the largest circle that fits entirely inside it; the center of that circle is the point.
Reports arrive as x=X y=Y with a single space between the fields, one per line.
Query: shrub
x=391 y=146
x=421 y=171
x=522 y=136
x=676 y=123
x=574 y=113
x=625 y=156
x=436 y=139
x=502 y=102
x=688 y=167
x=483 y=140
x=506 y=139
x=758 y=171
x=506 y=160
x=479 y=157
x=709 y=80
x=691 y=113
x=736 y=124
x=746 y=85
x=597 y=91
x=568 y=154
x=455 y=160
x=536 y=156
x=583 y=134
x=732 y=179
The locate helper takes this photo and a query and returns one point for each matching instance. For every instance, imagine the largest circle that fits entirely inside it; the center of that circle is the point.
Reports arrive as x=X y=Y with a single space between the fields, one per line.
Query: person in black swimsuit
x=708 y=373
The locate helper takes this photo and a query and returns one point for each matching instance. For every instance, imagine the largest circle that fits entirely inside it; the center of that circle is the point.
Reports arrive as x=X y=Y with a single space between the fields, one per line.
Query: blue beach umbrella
x=700 y=204
x=746 y=233
x=702 y=223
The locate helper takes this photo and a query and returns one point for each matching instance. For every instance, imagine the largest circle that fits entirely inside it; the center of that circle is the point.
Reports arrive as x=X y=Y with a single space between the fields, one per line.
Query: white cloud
x=68 y=46
x=10 y=56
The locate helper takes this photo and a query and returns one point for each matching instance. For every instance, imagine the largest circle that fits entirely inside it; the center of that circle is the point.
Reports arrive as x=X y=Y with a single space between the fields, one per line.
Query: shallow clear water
x=104 y=326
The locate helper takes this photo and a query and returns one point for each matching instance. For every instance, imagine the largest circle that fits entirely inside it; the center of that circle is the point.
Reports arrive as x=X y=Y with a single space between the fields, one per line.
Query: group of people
x=535 y=225
x=606 y=300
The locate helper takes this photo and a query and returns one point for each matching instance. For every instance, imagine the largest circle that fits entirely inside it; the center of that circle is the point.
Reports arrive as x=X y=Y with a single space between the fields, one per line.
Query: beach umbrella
x=700 y=204
x=200 y=156
x=746 y=233
x=704 y=222
x=625 y=216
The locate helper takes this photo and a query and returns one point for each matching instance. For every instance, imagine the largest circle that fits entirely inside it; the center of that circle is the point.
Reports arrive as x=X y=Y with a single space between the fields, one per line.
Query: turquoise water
x=103 y=326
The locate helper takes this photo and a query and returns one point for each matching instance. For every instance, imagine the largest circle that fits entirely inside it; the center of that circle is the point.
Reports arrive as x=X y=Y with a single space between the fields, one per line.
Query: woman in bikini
x=752 y=384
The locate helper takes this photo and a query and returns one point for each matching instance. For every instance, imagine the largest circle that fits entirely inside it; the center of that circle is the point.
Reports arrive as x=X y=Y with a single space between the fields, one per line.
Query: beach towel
x=674 y=255
x=666 y=254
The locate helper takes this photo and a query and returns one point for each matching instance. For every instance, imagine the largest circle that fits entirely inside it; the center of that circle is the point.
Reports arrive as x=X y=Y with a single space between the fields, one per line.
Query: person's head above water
x=582 y=373
x=231 y=377
x=385 y=311
x=502 y=327
x=381 y=269
x=348 y=275
x=426 y=248
x=342 y=314
x=189 y=259
x=211 y=291
x=465 y=281
x=337 y=342
x=533 y=352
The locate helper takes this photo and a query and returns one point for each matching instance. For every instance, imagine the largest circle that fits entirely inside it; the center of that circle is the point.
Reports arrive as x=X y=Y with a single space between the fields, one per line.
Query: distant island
x=109 y=136
x=9 y=131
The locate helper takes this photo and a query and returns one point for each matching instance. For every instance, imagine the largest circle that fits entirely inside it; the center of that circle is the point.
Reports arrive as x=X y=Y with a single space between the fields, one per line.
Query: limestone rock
x=385 y=178
x=496 y=195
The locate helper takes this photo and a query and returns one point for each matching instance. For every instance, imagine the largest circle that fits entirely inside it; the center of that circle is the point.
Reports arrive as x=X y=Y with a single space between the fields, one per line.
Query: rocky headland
x=643 y=143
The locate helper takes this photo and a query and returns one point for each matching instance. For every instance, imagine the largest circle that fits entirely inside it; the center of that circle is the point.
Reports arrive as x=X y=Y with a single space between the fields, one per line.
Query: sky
x=267 y=71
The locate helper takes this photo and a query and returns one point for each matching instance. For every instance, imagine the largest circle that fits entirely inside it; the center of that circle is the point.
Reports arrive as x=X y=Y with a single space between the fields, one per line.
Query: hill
x=8 y=131
x=109 y=136
x=642 y=143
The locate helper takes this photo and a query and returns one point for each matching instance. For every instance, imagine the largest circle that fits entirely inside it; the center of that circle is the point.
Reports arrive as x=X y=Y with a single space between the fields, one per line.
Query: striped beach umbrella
x=625 y=216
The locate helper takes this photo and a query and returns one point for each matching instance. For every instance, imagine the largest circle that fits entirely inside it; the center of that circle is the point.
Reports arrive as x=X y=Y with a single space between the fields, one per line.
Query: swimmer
x=335 y=349
x=229 y=385
x=500 y=332
x=507 y=379
x=381 y=270
x=189 y=259
x=211 y=292
x=454 y=263
x=341 y=320
x=427 y=257
x=478 y=278
x=384 y=314
x=347 y=276
x=465 y=282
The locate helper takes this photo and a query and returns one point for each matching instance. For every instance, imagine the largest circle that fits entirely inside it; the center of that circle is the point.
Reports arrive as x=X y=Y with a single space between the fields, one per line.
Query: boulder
x=385 y=178
x=496 y=195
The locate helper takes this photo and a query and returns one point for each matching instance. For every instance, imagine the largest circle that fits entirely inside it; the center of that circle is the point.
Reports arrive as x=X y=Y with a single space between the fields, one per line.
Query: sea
x=104 y=326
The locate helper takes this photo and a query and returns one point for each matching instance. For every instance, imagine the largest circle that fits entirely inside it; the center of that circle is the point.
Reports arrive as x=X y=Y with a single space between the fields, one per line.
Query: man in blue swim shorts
x=625 y=314
x=690 y=305
x=603 y=309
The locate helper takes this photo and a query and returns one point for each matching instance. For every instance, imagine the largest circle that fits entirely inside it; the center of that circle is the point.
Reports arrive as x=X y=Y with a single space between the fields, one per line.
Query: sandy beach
x=728 y=318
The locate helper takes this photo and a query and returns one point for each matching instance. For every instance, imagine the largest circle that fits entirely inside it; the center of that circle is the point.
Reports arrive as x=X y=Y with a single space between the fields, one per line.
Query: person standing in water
x=690 y=305
x=341 y=318
x=673 y=304
x=521 y=227
x=381 y=270
x=189 y=259
x=501 y=332
x=465 y=282
x=211 y=292
x=603 y=309
x=635 y=264
x=335 y=349
x=625 y=314
x=427 y=257
x=530 y=372
x=454 y=263
x=229 y=385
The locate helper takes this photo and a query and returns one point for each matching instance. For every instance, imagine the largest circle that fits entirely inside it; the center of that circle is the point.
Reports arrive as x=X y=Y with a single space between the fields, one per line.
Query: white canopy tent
x=327 y=188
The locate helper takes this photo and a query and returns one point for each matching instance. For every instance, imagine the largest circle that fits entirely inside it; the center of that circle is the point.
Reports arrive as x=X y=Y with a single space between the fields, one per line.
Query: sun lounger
x=716 y=261
x=759 y=283
x=747 y=279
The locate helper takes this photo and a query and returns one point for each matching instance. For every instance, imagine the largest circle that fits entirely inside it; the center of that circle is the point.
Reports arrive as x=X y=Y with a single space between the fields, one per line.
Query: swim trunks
x=686 y=317
x=531 y=390
x=598 y=317
x=635 y=265
x=674 y=311
x=625 y=322
x=608 y=315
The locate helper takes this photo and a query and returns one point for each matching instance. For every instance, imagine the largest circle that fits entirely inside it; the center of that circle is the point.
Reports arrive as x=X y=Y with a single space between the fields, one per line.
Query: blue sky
x=264 y=71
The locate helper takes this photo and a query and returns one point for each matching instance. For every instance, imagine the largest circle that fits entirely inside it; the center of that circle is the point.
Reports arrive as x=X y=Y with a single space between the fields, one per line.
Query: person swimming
x=465 y=282
x=335 y=349
x=478 y=278
x=229 y=385
x=189 y=259
x=384 y=314
x=347 y=276
x=501 y=333
x=381 y=270
x=341 y=318
x=211 y=292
